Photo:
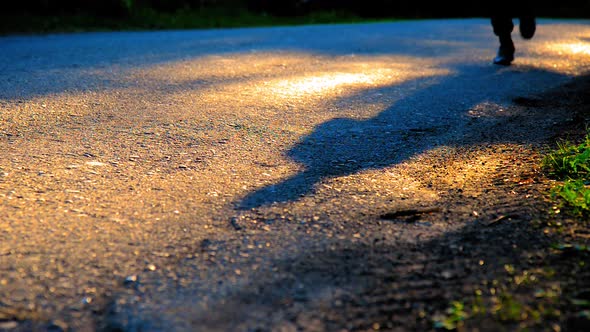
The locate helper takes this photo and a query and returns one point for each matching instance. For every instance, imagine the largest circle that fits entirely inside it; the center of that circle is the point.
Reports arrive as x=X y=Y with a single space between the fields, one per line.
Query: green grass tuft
x=570 y=163
x=575 y=194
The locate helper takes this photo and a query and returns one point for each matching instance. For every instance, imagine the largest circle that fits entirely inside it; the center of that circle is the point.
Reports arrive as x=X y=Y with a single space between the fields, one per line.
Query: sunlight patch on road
x=570 y=48
x=294 y=86
x=327 y=83
x=560 y=48
x=339 y=83
x=337 y=78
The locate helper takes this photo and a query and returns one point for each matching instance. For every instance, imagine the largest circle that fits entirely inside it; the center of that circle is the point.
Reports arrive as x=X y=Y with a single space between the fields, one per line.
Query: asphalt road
x=149 y=179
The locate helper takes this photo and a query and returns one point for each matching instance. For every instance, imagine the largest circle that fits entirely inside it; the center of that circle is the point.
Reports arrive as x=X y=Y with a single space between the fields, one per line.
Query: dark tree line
x=366 y=8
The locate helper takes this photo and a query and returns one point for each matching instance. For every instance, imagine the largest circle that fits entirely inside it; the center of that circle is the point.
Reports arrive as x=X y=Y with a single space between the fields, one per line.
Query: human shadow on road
x=435 y=114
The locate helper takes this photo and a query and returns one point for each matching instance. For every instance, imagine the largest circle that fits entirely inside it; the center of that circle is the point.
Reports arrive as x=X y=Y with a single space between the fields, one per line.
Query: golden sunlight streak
x=323 y=79
x=576 y=48
x=343 y=82
x=327 y=82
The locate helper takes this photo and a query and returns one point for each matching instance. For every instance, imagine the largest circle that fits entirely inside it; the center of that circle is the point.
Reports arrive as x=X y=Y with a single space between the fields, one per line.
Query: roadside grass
x=536 y=298
x=570 y=161
x=149 y=19
x=570 y=164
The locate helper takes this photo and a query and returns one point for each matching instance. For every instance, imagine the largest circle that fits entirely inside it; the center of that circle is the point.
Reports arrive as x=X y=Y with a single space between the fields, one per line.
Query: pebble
x=151 y=267
x=131 y=279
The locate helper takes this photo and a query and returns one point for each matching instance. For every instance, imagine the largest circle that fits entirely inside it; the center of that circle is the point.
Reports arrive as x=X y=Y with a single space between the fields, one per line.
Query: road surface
x=242 y=179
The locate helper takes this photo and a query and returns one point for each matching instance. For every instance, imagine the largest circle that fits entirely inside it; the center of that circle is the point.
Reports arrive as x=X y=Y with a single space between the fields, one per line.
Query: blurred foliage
x=372 y=8
x=73 y=15
x=151 y=19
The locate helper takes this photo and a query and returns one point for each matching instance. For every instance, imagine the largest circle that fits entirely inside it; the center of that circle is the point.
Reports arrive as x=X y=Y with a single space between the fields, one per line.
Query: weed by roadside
x=570 y=163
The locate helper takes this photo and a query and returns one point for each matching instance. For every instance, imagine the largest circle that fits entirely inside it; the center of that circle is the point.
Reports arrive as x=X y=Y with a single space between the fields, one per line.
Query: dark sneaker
x=505 y=56
x=528 y=25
